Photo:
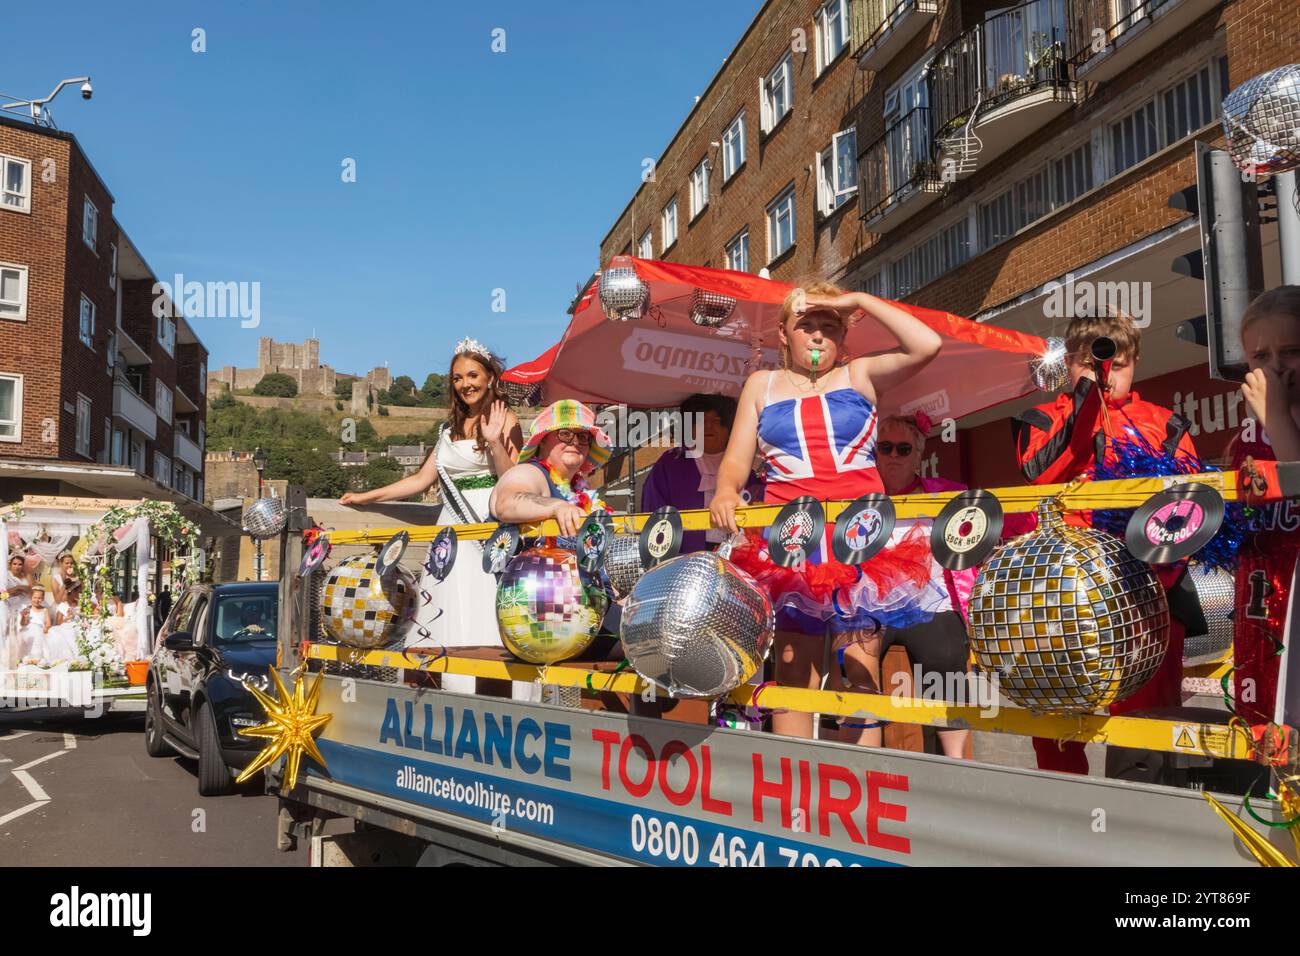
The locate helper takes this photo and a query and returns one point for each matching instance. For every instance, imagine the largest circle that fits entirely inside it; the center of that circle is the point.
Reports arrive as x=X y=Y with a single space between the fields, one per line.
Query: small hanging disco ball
x=1261 y=119
x=361 y=609
x=711 y=309
x=546 y=612
x=265 y=517
x=697 y=625
x=1049 y=370
x=1066 y=618
x=623 y=296
x=623 y=563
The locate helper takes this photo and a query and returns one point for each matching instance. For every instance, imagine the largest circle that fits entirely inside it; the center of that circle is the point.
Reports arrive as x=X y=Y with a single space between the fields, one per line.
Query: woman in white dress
x=480 y=440
x=17 y=584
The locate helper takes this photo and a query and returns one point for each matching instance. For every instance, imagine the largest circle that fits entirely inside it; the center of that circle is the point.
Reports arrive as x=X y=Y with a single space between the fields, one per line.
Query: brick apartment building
x=97 y=394
x=967 y=156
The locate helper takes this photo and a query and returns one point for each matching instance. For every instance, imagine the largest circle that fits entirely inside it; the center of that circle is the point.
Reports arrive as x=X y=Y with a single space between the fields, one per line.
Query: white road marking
x=31 y=786
x=69 y=742
x=15 y=735
x=32 y=763
x=14 y=814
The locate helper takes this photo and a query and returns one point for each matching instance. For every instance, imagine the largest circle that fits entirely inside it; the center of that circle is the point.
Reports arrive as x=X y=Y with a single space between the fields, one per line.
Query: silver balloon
x=711 y=309
x=623 y=563
x=1262 y=121
x=1048 y=370
x=361 y=609
x=697 y=626
x=623 y=296
x=265 y=517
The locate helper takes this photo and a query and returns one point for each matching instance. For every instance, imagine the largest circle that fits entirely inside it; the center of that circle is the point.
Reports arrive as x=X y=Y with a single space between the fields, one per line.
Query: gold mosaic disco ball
x=360 y=609
x=545 y=611
x=1067 y=619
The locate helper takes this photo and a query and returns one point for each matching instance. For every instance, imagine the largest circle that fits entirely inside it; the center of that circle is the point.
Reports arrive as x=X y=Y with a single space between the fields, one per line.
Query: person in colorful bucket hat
x=564 y=447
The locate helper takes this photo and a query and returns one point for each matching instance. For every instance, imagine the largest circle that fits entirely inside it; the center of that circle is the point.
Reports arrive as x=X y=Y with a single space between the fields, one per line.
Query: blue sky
x=474 y=170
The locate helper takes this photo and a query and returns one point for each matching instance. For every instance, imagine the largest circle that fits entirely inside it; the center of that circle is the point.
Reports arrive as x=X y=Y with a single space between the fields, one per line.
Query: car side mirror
x=179 y=641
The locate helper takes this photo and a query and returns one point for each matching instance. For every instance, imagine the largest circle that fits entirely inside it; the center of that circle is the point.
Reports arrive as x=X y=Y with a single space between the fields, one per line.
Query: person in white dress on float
x=479 y=441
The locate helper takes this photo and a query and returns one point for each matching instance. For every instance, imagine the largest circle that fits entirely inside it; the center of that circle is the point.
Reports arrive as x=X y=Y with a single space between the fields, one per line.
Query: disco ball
x=1262 y=121
x=265 y=517
x=545 y=611
x=1066 y=618
x=711 y=309
x=1049 y=370
x=697 y=625
x=623 y=563
x=623 y=296
x=360 y=609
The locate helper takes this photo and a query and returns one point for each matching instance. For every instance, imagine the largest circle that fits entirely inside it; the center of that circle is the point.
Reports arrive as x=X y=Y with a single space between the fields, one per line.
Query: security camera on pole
x=39 y=111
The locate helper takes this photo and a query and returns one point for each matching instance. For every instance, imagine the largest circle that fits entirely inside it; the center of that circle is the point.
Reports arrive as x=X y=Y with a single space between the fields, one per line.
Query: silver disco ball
x=623 y=296
x=1262 y=121
x=697 y=626
x=1048 y=370
x=1066 y=618
x=265 y=517
x=711 y=309
x=623 y=563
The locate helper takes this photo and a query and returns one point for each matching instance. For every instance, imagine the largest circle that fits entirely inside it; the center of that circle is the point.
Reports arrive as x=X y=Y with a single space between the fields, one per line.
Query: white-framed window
x=1071 y=175
x=733 y=147
x=837 y=171
x=11 y=407
x=203 y=437
x=738 y=252
x=13 y=291
x=203 y=378
x=108 y=441
x=699 y=187
x=162 y=401
x=15 y=184
x=832 y=22
x=186 y=484
x=776 y=94
x=167 y=334
x=668 y=224
x=922 y=264
x=110 y=356
x=90 y=224
x=645 y=246
x=117 y=451
x=1186 y=106
x=137 y=455
x=780 y=223
x=112 y=268
x=87 y=328
x=162 y=468
x=874 y=284
x=83 y=425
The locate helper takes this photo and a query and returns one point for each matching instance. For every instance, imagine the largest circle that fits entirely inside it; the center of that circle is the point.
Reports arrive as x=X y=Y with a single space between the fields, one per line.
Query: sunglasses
x=569 y=437
x=901 y=449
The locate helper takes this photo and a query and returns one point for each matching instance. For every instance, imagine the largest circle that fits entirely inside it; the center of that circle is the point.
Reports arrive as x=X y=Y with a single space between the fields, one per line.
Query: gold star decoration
x=291 y=723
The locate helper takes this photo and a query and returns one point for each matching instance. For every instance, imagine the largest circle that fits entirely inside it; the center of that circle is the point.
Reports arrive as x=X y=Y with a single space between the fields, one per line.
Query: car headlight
x=244 y=722
x=261 y=681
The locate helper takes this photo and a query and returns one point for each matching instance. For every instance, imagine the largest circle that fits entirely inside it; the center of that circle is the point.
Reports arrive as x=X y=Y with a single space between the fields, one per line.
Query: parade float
x=104 y=642
x=357 y=727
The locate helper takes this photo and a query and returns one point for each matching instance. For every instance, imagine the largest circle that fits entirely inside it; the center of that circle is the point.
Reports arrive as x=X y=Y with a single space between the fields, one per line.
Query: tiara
x=472 y=346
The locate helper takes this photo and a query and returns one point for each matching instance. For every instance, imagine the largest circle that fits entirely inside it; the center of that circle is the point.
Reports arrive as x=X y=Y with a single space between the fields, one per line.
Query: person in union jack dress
x=814 y=421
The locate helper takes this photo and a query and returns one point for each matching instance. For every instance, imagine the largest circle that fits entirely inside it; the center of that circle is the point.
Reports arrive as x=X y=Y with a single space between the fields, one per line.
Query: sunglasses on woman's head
x=902 y=449
x=570 y=437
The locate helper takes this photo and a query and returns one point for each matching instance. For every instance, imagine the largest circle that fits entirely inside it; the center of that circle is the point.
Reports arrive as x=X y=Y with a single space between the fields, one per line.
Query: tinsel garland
x=1134 y=457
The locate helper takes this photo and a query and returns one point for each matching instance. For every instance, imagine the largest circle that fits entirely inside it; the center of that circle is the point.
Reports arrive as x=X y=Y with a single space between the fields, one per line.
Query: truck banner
x=673 y=794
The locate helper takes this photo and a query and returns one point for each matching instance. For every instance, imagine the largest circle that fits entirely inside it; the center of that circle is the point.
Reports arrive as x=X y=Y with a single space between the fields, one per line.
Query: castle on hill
x=301 y=362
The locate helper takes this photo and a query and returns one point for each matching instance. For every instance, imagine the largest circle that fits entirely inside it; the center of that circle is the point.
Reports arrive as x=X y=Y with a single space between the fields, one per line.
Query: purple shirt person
x=687 y=482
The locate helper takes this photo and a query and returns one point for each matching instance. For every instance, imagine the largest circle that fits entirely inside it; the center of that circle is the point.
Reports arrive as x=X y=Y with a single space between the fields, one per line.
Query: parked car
x=216 y=637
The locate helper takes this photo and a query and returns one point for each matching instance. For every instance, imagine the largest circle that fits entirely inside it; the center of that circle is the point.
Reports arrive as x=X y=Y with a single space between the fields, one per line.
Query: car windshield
x=242 y=618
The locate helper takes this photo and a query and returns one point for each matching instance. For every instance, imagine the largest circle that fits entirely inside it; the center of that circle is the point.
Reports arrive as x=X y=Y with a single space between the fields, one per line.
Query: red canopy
x=659 y=360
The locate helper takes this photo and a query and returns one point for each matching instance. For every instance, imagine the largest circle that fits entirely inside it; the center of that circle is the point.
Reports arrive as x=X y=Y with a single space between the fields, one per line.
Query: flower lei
x=576 y=492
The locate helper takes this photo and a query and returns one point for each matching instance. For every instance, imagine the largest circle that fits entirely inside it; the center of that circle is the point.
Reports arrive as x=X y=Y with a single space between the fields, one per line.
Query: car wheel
x=154 y=745
x=214 y=777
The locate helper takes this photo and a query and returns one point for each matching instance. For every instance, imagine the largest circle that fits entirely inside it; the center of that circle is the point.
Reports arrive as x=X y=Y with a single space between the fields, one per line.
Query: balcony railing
x=134 y=410
x=187 y=451
x=1017 y=52
x=874 y=22
x=1128 y=31
x=896 y=164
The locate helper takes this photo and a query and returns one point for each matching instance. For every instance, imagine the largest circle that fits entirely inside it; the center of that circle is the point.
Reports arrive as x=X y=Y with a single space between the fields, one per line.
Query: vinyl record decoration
x=501 y=547
x=362 y=608
x=1066 y=618
x=442 y=554
x=593 y=541
x=314 y=556
x=661 y=537
x=1174 y=524
x=697 y=626
x=796 y=532
x=862 y=529
x=390 y=555
x=967 y=530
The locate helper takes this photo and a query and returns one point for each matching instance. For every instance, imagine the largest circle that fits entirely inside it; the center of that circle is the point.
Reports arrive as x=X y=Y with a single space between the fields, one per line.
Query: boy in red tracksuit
x=1060 y=440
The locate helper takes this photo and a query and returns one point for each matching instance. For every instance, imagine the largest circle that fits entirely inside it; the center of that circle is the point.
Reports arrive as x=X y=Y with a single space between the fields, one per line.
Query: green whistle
x=816 y=358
